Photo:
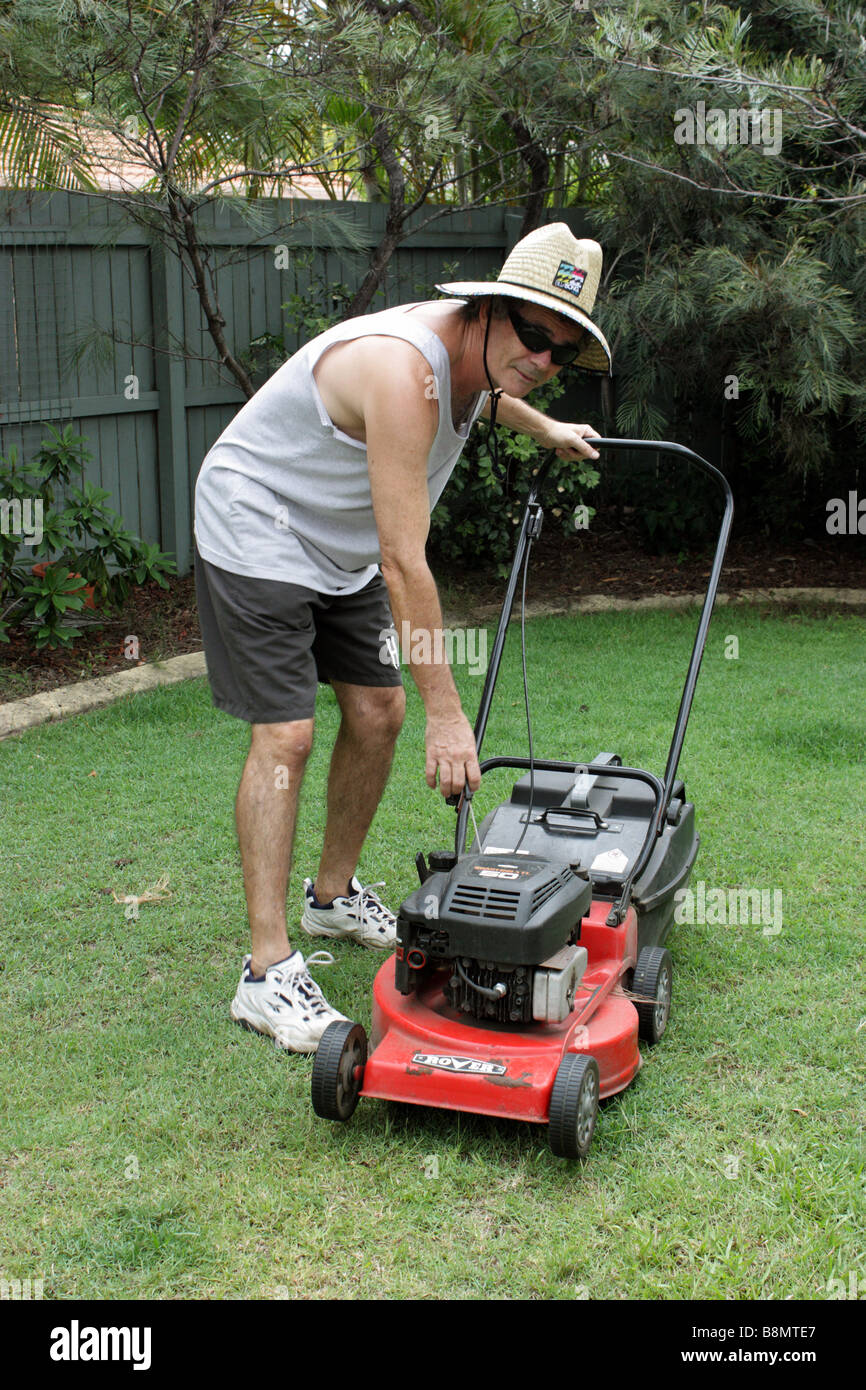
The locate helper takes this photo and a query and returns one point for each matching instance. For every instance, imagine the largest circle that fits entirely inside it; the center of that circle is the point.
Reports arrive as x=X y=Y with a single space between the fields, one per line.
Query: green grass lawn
x=151 y=1149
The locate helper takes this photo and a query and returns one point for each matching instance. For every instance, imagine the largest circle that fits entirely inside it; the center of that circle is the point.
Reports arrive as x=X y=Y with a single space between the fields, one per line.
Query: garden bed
x=607 y=560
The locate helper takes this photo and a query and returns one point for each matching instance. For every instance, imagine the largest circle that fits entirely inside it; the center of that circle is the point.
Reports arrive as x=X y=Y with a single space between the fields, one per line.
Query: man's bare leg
x=265 y=813
x=360 y=764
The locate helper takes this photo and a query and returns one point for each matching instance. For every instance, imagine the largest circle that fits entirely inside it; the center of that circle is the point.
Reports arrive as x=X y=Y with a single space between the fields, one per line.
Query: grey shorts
x=267 y=643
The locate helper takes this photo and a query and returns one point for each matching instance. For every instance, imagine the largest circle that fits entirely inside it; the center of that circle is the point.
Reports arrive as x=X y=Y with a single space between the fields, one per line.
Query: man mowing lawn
x=311 y=516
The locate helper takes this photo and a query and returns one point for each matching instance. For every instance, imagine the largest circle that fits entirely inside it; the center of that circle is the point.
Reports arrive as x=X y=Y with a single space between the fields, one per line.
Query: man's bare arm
x=401 y=420
x=566 y=439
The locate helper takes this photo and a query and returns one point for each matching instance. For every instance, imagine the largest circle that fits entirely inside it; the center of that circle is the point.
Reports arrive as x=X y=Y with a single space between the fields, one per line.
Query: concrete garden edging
x=19 y=715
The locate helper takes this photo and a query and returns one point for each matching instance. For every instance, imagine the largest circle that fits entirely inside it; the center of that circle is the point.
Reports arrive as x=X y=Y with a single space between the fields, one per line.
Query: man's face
x=519 y=370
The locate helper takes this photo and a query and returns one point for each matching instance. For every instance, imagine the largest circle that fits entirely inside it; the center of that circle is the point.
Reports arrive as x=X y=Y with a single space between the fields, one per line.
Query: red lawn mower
x=528 y=966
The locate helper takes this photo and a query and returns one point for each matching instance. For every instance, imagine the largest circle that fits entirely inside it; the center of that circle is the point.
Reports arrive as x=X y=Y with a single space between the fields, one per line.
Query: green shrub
x=84 y=543
x=476 y=520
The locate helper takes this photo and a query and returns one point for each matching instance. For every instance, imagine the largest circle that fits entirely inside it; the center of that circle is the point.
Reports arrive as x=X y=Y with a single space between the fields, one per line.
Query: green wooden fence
x=101 y=328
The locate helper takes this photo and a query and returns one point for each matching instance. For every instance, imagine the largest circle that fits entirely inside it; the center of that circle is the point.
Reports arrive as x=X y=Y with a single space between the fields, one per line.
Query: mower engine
x=508 y=925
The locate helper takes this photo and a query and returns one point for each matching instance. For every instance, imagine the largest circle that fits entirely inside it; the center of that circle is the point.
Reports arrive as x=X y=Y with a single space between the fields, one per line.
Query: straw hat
x=552 y=268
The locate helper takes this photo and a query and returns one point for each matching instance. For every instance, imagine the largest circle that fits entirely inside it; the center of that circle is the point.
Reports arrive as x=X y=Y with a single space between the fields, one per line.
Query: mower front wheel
x=653 y=978
x=338 y=1070
x=574 y=1105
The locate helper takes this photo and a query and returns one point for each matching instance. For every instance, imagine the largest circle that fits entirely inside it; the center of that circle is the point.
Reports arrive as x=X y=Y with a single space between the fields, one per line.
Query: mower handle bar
x=529 y=529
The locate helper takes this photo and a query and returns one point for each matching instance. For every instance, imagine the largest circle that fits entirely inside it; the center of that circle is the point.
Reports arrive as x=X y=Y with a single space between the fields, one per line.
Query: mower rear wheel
x=338 y=1070
x=653 y=978
x=574 y=1105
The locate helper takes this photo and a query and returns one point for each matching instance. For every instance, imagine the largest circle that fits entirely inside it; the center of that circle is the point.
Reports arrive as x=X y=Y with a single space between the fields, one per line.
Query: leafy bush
x=476 y=520
x=83 y=544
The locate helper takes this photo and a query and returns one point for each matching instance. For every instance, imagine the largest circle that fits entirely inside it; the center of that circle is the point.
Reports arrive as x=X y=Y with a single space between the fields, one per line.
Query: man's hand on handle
x=569 y=441
x=451 y=752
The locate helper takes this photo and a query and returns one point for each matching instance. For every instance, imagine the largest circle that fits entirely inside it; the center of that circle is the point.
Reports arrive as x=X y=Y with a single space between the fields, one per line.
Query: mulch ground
x=607 y=560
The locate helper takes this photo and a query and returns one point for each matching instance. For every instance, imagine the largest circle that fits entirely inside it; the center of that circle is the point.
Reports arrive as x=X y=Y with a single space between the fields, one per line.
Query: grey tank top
x=283 y=494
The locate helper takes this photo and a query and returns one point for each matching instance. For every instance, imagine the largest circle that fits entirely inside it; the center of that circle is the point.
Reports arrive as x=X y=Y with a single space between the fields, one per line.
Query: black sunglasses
x=536 y=340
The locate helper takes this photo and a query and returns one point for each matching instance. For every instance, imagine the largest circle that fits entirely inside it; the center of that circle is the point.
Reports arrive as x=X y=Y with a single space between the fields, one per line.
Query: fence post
x=512 y=222
x=175 y=522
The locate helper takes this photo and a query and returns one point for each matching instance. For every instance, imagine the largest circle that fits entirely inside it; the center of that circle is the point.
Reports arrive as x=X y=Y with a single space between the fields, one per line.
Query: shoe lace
x=301 y=983
x=371 y=909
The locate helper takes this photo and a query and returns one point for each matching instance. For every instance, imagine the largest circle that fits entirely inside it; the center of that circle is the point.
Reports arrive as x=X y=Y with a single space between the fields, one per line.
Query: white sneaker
x=287 y=1004
x=361 y=917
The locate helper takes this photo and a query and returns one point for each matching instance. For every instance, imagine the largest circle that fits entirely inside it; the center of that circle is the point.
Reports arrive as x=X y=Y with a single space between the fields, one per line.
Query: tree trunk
x=186 y=239
x=363 y=296
x=538 y=163
x=394 y=224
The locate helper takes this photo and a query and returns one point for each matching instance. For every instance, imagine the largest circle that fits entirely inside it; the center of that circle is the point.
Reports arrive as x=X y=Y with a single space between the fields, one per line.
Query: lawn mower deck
x=426 y=1053
x=528 y=966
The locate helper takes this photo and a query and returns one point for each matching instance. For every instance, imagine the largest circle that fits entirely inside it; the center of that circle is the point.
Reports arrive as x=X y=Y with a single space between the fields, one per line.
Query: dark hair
x=470 y=312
